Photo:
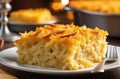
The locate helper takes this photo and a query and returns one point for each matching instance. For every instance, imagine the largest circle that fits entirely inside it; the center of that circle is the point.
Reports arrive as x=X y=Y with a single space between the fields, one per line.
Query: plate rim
x=45 y=70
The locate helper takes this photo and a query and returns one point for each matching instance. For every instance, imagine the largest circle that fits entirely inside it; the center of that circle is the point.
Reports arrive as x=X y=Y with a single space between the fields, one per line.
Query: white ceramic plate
x=8 y=57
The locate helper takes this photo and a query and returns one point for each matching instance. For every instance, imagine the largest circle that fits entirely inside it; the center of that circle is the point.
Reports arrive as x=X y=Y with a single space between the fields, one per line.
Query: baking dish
x=109 y=22
x=26 y=27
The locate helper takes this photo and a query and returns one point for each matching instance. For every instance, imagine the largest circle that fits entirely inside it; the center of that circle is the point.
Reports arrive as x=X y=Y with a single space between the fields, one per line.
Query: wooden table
x=109 y=74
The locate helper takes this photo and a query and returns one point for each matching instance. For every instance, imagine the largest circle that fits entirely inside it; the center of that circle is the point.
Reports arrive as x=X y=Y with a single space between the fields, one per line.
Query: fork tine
x=107 y=52
x=116 y=52
x=112 y=51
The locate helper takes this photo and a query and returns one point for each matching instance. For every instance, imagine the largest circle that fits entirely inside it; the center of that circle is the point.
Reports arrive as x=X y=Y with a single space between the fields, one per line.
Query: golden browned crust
x=62 y=46
x=103 y=6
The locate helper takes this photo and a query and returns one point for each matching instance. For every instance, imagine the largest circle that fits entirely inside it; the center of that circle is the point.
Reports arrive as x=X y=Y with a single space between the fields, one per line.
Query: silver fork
x=111 y=55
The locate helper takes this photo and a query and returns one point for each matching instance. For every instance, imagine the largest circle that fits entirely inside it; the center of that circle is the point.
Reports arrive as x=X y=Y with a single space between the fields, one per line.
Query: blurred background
x=104 y=14
x=55 y=6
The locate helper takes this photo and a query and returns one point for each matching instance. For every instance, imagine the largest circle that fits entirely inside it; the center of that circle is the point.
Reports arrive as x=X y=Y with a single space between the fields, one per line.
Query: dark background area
x=25 y=4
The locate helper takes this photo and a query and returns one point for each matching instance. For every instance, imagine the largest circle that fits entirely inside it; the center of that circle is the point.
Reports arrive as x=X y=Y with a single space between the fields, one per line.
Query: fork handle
x=99 y=67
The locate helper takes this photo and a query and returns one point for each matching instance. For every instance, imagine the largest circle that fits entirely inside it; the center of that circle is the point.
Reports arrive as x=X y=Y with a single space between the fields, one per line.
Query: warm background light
x=59 y=4
x=65 y=2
